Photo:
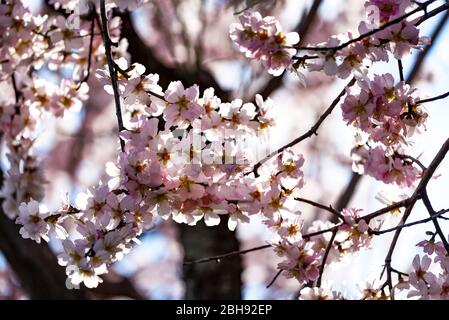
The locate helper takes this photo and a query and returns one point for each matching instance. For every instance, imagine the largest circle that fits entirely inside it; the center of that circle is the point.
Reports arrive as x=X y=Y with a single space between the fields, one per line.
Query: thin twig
x=307 y=235
x=227 y=255
x=406 y=225
x=320 y=232
x=321 y=206
x=413 y=159
x=16 y=89
x=432 y=214
x=441 y=96
x=326 y=254
x=274 y=279
x=432 y=13
x=401 y=70
x=312 y=131
x=392 y=207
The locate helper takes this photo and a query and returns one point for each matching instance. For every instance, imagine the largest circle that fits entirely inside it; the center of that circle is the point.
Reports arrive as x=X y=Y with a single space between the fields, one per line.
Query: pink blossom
x=182 y=103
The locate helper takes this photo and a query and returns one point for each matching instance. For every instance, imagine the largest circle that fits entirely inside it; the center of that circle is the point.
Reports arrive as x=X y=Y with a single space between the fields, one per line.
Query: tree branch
x=312 y=131
x=406 y=225
x=326 y=254
x=227 y=255
x=440 y=97
x=427 y=15
x=112 y=70
x=432 y=214
x=428 y=173
x=336 y=213
x=345 y=196
x=274 y=279
x=401 y=70
x=144 y=55
x=394 y=206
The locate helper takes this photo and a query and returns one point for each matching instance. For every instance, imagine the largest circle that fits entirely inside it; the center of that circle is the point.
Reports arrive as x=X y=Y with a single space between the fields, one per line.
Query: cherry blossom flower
x=183 y=103
x=262 y=39
x=33 y=222
x=389 y=9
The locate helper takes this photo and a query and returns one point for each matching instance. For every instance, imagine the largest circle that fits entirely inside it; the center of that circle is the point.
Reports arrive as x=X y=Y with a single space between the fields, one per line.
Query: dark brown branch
x=345 y=196
x=406 y=225
x=312 y=131
x=336 y=213
x=367 y=217
x=320 y=232
x=14 y=85
x=401 y=70
x=227 y=255
x=432 y=13
x=414 y=160
x=144 y=55
x=416 y=195
x=433 y=213
x=394 y=206
x=274 y=279
x=112 y=71
x=440 y=97
x=326 y=254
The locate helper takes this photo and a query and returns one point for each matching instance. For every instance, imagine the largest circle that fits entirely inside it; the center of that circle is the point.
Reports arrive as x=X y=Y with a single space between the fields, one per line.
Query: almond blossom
x=262 y=38
x=33 y=221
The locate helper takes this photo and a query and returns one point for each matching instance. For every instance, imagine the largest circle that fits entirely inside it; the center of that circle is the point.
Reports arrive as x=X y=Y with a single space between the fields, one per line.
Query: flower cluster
x=23 y=180
x=354 y=234
x=389 y=114
x=355 y=57
x=181 y=161
x=30 y=44
x=388 y=9
x=384 y=165
x=303 y=254
x=429 y=278
x=261 y=38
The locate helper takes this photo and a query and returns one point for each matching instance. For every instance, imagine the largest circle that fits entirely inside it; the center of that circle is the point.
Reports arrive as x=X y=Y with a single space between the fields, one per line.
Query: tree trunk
x=212 y=280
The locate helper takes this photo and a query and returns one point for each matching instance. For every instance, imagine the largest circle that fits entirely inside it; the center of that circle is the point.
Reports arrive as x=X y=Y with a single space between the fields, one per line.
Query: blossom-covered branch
x=190 y=155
